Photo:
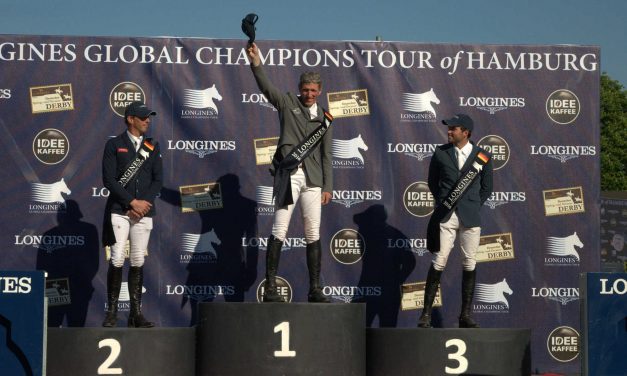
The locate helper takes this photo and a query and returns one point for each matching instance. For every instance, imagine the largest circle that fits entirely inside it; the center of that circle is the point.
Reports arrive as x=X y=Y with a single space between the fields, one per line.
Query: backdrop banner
x=535 y=109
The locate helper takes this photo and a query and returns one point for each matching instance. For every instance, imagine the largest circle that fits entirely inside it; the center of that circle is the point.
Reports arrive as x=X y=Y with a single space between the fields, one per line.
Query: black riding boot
x=468 y=290
x=135 y=283
x=313 y=264
x=273 y=255
x=114 y=282
x=431 y=289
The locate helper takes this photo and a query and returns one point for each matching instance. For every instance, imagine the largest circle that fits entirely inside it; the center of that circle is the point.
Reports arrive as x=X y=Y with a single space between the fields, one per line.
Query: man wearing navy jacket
x=132 y=172
x=448 y=164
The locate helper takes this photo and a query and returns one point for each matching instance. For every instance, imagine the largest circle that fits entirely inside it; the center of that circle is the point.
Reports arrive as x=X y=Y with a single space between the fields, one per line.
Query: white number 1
x=285 y=351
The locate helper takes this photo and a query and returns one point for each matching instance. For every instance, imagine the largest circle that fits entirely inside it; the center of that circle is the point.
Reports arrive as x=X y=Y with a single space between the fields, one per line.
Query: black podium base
x=281 y=339
x=121 y=351
x=396 y=352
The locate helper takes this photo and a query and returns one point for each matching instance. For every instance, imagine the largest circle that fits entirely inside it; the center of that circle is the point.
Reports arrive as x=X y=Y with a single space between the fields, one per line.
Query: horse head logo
x=50 y=193
x=202 y=98
x=494 y=293
x=201 y=243
x=564 y=247
x=420 y=102
x=348 y=149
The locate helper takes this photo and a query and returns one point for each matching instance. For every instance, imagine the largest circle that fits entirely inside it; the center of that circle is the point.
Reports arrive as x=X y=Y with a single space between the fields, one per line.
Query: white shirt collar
x=136 y=140
x=313 y=110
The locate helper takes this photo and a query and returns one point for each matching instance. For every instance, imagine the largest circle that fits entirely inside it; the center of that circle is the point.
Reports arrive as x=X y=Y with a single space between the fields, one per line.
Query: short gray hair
x=310 y=78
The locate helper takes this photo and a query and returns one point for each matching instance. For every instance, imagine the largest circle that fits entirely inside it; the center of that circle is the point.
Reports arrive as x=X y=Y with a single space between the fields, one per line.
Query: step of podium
x=412 y=351
x=281 y=339
x=121 y=351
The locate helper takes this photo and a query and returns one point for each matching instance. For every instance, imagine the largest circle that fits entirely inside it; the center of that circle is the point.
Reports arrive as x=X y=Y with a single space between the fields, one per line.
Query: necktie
x=460 y=161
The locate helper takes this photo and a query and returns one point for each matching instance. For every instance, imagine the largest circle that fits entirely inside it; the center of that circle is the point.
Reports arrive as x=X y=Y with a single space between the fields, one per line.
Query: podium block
x=281 y=339
x=121 y=351
x=396 y=352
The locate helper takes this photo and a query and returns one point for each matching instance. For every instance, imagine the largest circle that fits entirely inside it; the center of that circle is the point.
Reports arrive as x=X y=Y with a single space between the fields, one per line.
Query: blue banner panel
x=22 y=322
x=535 y=109
x=604 y=323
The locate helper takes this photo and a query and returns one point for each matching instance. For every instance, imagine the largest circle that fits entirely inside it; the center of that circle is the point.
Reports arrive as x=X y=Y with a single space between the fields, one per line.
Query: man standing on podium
x=132 y=172
x=460 y=179
x=302 y=171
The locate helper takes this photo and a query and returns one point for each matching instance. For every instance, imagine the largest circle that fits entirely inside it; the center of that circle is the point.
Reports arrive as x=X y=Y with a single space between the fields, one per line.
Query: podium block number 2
x=105 y=367
x=285 y=351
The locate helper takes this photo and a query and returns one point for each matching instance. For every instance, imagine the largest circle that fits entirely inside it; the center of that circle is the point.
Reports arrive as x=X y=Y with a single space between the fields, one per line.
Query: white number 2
x=115 y=347
x=285 y=351
x=457 y=356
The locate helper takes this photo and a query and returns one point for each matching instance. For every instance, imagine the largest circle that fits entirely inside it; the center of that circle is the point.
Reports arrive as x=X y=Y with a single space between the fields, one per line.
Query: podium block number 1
x=285 y=351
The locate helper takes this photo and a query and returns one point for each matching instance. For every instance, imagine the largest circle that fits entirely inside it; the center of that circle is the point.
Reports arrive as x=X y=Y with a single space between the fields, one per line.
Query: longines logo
x=262 y=243
x=51 y=146
x=563 y=153
x=5 y=93
x=491 y=104
x=562 y=250
x=50 y=243
x=417 y=246
x=198 y=248
x=348 y=294
x=418 y=200
x=200 y=292
x=347 y=153
x=418 y=107
x=350 y=198
x=491 y=297
x=283 y=287
x=49 y=197
x=123 y=94
x=501 y=198
x=418 y=151
x=99 y=192
x=16 y=285
x=125 y=297
x=618 y=287
x=347 y=246
x=563 y=295
x=200 y=104
x=265 y=200
x=563 y=106
x=257 y=98
x=563 y=344
x=201 y=148
x=498 y=147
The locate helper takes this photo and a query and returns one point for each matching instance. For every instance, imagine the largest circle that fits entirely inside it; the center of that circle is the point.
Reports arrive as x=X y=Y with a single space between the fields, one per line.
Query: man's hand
x=253 y=54
x=135 y=216
x=142 y=207
x=326 y=198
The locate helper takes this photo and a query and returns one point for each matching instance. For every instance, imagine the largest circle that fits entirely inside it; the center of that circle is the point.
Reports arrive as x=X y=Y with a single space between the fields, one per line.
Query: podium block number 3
x=285 y=351
x=458 y=356
x=105 y=367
